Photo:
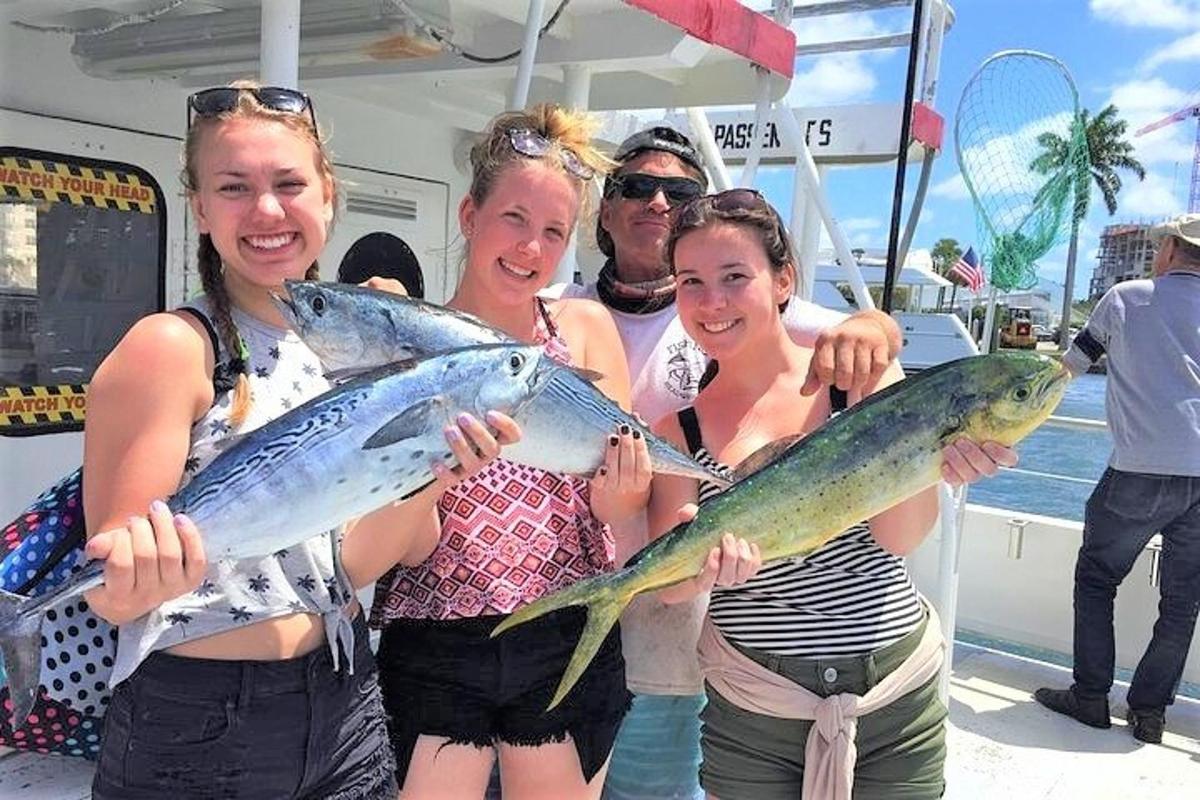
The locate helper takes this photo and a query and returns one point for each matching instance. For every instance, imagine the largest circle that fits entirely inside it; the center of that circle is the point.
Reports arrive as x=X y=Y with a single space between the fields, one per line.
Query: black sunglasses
x=725 y=202
x=639 y=186
x=221 y=99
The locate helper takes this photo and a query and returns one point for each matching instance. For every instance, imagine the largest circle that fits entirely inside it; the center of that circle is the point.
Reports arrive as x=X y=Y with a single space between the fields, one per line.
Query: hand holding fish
x=733 y=562
x=621 y=486
x=966 y=461
x=474 y=445
x=854 y=354
x=151 y=560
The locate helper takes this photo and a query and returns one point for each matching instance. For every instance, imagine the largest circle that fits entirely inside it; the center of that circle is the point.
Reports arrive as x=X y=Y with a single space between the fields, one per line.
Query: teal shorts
x=901 y=748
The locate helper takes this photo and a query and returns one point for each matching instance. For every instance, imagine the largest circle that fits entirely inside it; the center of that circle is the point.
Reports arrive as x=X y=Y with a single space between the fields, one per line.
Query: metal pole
x=989 y=320
x=954 y=506
x=762 y=115
x=762 y=106
x=533 y=23
x=279 y=43
x=806 y=170
x=892 y=267
x=808 y=235
x=698 y=121
x=933 y=51
x=577 y=87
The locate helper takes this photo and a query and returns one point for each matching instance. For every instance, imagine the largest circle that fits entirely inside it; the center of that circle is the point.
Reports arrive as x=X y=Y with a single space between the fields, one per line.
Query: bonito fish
x=356 y=448
x=867 y=459
x=563 y=430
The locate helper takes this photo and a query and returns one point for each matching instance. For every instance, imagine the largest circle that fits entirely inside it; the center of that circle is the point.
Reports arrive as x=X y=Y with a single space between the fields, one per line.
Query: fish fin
x=589 y=375
x=605 y=596
x=226 y=442
x=345 y=373
x=412 y=421
x=20 y=654
x=767 y=454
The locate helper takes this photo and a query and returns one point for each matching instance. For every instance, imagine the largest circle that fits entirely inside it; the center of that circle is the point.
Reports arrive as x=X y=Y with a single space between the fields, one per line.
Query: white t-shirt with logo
x=665 y=367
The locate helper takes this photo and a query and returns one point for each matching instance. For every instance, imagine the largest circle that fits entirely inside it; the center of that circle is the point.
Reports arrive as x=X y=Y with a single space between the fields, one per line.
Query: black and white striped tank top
x=847 y=598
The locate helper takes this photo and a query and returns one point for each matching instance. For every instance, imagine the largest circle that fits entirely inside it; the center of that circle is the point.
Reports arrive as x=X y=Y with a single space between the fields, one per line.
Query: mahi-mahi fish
x=884 y=450
x=564 y=430
x=363 y=444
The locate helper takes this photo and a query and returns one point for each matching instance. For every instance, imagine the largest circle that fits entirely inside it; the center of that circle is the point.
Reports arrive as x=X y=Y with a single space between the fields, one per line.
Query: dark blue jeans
x=204 y=729
x=1123 y=512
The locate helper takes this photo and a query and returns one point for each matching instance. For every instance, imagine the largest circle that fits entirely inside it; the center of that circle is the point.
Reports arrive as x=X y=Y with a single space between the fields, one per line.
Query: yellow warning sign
x=40 y=180
x=40 y=406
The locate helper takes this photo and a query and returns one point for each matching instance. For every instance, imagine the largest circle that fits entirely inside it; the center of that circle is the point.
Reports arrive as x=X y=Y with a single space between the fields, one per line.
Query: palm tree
x=945 y=254
x=1107 y=152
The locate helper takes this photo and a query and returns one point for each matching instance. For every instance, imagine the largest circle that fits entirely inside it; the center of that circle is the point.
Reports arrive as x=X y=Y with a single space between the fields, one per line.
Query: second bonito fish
x=564 y=430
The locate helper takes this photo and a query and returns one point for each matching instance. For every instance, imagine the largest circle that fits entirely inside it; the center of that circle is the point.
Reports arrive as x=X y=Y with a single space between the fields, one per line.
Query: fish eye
x=1021 y=393
x=318 y=304
x=516 y=361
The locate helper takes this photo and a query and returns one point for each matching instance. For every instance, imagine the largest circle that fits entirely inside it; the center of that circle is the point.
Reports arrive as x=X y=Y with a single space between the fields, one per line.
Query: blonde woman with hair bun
x=457 y=700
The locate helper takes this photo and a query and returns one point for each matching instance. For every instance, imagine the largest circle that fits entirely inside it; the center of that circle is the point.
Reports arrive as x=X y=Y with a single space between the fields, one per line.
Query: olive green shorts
x=901 y=748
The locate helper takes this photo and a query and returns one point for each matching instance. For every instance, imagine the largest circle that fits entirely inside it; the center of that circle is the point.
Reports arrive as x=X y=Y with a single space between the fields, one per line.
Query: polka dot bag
x=40 y=549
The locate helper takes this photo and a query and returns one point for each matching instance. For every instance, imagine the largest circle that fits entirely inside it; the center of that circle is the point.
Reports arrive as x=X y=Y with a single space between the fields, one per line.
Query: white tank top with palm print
x=303 y=579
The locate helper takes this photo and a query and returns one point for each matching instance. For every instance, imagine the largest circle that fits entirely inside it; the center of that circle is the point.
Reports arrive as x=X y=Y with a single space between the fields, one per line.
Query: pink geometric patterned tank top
x=510 y=534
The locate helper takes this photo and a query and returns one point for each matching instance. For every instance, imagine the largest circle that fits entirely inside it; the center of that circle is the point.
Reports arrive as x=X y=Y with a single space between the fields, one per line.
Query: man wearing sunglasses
x=657 y=753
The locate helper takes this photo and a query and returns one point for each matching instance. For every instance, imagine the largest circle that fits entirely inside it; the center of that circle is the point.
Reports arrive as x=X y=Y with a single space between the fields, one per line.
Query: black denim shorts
x=448 y=678
x=206 y=728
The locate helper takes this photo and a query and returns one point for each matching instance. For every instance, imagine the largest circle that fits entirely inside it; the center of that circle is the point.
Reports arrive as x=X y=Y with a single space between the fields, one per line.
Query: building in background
x=1125 y=254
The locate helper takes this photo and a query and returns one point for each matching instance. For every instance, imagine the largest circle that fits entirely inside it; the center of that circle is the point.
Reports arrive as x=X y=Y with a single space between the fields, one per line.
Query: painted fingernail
x=465 y=419
x=158 y=506
x=603 y=470
x=180 y=520
x=637 y=434
x=624 y=430
x=612 y=440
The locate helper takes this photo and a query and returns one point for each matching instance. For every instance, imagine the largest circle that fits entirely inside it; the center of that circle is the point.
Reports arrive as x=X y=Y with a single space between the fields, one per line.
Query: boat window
x=82 y=256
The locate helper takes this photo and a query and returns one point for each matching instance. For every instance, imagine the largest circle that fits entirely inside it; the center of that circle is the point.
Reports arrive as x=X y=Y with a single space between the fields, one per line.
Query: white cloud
x=831 y=79
x=1149 y=13
x=952 y=188
x=1180 y=50
x=1154 y=198
x=859 y=231
x=1142 y=102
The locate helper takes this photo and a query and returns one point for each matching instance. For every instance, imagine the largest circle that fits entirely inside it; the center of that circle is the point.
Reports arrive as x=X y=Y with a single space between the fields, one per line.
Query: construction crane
x=1182 y=114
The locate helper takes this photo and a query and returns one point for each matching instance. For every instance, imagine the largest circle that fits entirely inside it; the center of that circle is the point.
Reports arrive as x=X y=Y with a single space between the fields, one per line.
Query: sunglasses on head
x=532 y=144
x=639 y=186
x=221 y=99
x=729 y=200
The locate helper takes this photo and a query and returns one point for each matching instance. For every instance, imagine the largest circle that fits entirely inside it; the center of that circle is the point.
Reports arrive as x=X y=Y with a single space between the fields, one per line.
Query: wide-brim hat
x=1185 y=226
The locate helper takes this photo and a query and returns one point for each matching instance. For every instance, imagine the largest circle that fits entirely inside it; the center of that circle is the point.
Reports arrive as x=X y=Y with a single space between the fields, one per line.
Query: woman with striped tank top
x=833 y=625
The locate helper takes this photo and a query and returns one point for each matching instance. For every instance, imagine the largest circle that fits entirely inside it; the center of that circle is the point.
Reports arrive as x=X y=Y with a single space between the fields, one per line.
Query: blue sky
x=1141 y=55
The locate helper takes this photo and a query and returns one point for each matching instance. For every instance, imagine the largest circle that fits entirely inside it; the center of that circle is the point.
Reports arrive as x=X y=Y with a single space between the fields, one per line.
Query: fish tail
x=20 y=654
x=605 y=596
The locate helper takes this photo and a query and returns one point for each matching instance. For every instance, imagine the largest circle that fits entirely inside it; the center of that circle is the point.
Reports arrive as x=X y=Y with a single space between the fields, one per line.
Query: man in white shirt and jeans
x=1150 y=330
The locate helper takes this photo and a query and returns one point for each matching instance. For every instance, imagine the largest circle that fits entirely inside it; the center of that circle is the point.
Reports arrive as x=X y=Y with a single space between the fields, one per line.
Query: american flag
x=967 y=271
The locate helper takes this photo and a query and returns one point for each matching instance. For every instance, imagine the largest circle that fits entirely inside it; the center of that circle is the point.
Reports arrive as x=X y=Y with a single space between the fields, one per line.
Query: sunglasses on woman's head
x=221 y=99
x=731 y=200
x=639 y=186
x=532 y=144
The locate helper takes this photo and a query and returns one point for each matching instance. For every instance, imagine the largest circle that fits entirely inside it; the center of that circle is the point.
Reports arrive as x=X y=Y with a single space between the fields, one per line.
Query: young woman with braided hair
x=251 y=679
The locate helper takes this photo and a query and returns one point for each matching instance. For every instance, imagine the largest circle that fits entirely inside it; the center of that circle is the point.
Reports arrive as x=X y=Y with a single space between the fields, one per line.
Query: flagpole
x=988 y=320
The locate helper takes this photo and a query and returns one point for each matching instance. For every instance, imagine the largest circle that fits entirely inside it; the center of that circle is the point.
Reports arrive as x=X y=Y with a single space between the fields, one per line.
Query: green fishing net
x=1023 y=156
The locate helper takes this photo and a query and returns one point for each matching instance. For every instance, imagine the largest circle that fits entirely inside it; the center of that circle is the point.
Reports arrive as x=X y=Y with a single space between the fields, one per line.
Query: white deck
x=1003 y=745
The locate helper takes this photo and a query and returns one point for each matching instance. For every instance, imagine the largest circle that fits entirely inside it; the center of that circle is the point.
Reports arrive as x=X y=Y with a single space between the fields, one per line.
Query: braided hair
x=234 y=372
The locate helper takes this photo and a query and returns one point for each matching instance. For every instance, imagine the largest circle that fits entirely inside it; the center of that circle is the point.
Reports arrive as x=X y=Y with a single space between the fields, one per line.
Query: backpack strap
x=690 y=424
x=224 y=373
